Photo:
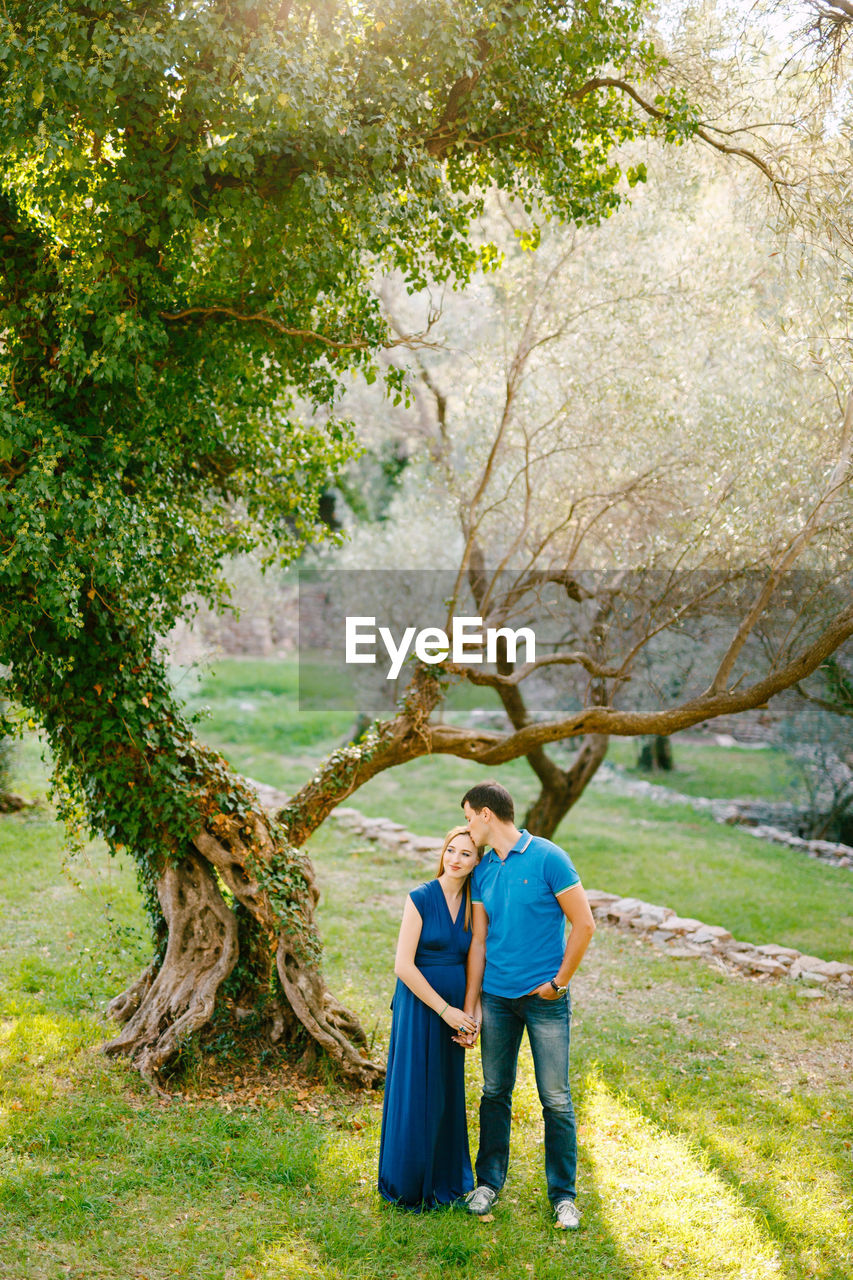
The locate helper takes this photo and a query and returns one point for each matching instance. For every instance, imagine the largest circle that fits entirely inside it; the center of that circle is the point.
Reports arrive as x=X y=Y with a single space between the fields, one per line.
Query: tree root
x=124 y=1006
x=201 y=952
x=328 y=1023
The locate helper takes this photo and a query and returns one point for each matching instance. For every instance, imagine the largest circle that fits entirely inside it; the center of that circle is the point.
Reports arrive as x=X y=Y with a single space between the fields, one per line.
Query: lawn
x=715 y=1113
x=703 y=768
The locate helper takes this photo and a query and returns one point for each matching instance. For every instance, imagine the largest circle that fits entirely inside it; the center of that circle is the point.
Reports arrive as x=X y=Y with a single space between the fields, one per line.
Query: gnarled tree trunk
x=238 y=912
x=164 y=1008
x=239 y=871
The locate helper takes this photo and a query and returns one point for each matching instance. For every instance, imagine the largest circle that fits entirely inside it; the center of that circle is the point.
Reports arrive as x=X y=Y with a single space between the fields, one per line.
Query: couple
x=482 y=947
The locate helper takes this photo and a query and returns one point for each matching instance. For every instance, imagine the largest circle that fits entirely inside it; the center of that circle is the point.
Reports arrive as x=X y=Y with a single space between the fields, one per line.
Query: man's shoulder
x=483 y=877
x=538 y=844
x=557 y=867
x=481 y=867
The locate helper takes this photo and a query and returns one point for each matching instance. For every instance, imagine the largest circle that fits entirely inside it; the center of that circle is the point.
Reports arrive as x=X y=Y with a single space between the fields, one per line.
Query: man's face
x=478 y=824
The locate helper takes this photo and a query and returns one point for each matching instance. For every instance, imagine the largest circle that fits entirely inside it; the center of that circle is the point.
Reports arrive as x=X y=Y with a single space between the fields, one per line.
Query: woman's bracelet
x=447 y=1006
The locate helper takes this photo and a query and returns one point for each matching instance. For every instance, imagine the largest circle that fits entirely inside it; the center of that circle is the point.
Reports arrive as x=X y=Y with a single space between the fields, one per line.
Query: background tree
x=816 y=731
x=548 y=444
x=820 y=748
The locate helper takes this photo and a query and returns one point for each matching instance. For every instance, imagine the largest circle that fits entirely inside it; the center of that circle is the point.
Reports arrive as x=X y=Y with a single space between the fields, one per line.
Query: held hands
x=467 y=1038
x=462 y=1022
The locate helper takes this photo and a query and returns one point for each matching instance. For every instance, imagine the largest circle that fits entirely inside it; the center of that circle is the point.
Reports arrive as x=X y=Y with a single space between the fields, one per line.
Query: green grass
x=704 y=769
x=715 y=1113
x=257 y=702
x=714 y=1116
x=761 y=892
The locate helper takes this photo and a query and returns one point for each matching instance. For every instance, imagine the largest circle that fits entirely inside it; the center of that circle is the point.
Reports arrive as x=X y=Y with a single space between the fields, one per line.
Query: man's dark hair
x=491 y=795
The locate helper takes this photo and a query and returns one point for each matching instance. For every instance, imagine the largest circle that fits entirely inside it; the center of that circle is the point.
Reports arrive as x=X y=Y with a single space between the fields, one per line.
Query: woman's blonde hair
x=451 y=835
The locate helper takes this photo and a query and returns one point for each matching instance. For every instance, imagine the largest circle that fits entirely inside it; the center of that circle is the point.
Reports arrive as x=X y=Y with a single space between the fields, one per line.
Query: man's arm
x=581 y=928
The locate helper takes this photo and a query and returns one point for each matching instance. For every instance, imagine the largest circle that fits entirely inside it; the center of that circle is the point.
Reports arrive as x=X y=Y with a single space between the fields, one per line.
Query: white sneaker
x=568 y=1215
x=480 y=1200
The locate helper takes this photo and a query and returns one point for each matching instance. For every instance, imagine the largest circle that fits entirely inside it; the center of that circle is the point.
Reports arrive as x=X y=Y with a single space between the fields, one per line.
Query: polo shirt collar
x=524 y=838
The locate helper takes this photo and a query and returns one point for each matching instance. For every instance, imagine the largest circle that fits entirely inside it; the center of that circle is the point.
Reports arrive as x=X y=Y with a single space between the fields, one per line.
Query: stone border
x=676 y=936
x=681 y=936
x=725 y=811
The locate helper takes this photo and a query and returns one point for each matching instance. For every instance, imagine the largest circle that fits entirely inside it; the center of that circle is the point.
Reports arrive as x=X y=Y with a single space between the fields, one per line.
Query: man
x=523 y=892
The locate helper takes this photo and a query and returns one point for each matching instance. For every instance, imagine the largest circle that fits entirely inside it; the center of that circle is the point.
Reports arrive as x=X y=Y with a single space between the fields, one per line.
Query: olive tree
x=619 y=412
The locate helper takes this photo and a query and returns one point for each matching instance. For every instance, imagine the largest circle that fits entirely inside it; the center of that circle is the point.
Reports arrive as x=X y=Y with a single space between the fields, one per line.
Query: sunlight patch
x=667 y=1210
x=39 y=1038
x=801 y=1185
x=286 y=1259
x=348 y=1157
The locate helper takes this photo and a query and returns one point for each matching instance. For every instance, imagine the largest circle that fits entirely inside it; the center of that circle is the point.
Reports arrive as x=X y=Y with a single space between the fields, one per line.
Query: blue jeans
x=548 y=1024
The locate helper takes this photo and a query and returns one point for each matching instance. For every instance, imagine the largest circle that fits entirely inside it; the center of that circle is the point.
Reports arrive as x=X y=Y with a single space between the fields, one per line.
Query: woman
x=423 y=1150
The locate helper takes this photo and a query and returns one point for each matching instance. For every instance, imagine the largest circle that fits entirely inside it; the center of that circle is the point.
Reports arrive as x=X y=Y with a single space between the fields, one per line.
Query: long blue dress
x=423 y=1151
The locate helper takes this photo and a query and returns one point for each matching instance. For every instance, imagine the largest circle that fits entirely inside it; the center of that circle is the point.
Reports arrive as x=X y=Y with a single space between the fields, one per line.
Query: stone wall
x=682 y=937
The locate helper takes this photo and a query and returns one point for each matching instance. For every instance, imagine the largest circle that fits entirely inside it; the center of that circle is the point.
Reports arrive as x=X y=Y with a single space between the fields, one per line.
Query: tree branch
x=837 y=11
x=493 y=748
x=835 y=707
x=791 y=553
x=614 y=82
x=409 y=735
x=414 y=340
x=495 y=681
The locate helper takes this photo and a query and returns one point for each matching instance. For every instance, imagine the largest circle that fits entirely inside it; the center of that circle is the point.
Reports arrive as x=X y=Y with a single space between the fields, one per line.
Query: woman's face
x=460 y=856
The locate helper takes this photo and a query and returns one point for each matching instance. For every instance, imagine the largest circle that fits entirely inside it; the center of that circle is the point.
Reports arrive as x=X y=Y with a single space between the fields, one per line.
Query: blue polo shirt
x=526 y=937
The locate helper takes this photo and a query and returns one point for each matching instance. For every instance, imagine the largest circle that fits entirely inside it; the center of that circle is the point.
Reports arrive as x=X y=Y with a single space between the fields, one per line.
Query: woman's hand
x=468 y=1039
x=461 y=1022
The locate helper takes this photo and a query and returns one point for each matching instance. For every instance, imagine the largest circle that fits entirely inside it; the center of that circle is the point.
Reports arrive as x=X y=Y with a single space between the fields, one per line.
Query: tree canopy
x=194 y=199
